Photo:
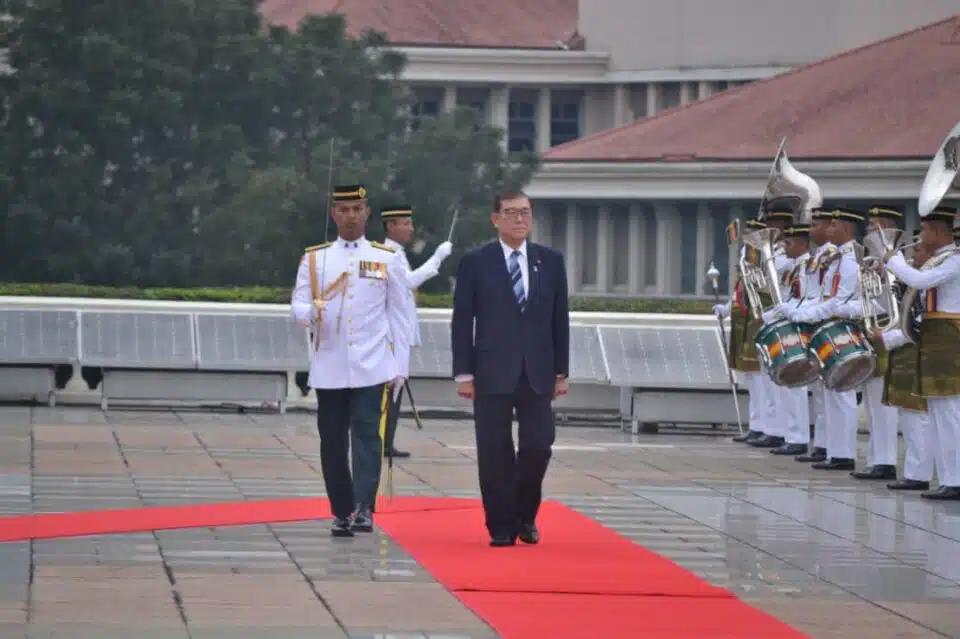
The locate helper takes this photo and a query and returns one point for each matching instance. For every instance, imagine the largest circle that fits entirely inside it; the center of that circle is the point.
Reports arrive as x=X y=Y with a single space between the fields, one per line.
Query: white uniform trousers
x=945 y=417
x=819 y=416
x=762 y=415
x=793 y=410
x=882 y=448
x=840 y=410
x=918 y=459
x=773 y=420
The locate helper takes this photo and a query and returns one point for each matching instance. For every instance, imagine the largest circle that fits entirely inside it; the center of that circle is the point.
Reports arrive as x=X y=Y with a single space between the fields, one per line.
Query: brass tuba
x=757 y=271
x=878 y=286
x=787 y=182
x=942 y=174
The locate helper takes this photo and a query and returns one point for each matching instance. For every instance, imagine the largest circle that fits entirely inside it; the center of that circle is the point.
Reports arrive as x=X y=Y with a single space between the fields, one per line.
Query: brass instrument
x=758 y=272
x=942 y=174
x=787 y=182
x=878 y=288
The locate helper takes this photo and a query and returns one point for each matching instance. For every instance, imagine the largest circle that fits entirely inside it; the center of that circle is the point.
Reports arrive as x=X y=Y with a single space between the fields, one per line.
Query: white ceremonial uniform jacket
x=363 y=335
x=941 y=284
x=839 y=292
x=413 y=280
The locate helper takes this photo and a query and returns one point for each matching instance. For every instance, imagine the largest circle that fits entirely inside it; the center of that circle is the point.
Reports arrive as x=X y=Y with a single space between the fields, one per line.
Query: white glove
x=442 y=252
x=720 y=310
x=771 y=316
x=398 y=383
x=792 y=313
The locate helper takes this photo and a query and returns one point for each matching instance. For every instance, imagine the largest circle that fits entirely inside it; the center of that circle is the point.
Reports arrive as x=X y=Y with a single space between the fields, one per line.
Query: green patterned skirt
x=938 y=368
x=900 y=377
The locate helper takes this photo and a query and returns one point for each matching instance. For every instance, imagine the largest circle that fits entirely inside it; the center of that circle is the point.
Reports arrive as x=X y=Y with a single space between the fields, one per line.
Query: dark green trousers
x=349 y=418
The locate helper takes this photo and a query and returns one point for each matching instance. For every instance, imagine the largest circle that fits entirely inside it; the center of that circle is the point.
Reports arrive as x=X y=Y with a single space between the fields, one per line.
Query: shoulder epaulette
x=383 y=247
x=317 y=247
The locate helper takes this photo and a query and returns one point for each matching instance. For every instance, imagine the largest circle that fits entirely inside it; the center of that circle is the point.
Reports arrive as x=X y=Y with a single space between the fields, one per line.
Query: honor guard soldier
x=918 y=461
x=743 y=353
x=938 y=362
x=398 y=226
x=840 y=299
x=351 y=295
x=882 y=446
x=793 y=406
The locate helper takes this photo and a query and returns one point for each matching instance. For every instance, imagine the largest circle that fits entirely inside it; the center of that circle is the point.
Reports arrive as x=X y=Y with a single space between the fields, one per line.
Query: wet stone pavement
x=832 y=556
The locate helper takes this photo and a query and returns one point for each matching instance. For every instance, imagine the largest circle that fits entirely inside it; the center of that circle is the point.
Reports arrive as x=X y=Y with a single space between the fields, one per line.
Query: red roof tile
x=896 y=98
x=524 y=24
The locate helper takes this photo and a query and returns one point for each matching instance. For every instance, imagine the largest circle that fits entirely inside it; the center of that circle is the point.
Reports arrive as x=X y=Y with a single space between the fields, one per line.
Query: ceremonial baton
x=714 y=274
x=453 y=223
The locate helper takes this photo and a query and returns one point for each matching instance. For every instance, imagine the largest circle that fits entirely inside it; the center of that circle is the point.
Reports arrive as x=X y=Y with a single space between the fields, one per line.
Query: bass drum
x=845 y=356
x=782 y=347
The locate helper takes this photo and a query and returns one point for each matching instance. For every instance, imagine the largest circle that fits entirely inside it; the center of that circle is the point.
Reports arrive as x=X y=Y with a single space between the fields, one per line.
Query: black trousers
x=511 y=479
x=344 y=414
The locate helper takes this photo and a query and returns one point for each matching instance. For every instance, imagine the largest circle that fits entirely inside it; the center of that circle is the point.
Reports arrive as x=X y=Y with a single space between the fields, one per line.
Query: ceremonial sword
x=714 y=274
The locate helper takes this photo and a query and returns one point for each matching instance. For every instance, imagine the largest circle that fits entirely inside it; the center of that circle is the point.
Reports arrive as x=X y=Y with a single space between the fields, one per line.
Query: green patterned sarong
x=938 y=361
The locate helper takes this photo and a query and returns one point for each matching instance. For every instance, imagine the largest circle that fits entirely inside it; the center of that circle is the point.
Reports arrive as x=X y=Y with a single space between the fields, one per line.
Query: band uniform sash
x=899 y=379
x=938 y=356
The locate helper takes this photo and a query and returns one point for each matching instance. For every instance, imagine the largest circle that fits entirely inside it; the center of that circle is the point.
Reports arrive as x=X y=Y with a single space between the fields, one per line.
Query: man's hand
x=397 y=385
x=466 y=389
x=560 y=387
x=443 y=251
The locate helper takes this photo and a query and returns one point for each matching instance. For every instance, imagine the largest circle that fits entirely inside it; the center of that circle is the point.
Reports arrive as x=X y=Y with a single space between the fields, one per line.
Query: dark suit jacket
x=507 y=342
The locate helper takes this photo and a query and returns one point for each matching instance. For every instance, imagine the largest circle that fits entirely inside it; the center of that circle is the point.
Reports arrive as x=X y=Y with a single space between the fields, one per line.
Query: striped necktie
x=516 y=280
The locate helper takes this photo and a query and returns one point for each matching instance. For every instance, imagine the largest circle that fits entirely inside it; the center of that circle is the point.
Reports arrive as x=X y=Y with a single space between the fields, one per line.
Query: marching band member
x=911 y=409
x=938 y=374
x=793 y=405
x=841 y=299
x=882 y=446
x=743 y=354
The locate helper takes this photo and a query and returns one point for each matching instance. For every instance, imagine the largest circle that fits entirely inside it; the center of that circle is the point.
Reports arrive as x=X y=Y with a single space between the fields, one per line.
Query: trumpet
x=878 y=287
x=758 y=273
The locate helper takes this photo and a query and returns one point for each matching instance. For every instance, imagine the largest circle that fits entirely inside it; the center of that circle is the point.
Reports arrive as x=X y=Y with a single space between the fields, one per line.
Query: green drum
x=783 y=352
x=845 y=356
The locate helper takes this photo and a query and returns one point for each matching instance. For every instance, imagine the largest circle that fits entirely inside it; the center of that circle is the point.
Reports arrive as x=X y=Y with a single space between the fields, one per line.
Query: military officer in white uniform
x=351 y=294
x=840 y=299
x=398 y=227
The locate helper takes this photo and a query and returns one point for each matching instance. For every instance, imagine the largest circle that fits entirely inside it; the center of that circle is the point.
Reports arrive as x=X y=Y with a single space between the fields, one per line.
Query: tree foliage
x=185 y=142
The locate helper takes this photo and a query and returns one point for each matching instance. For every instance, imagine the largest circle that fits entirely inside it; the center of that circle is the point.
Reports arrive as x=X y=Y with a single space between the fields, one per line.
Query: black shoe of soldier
x=790 y=449
x=818 y=455
x=750 y=435
x=879 y=471
x=362 y=521
x=835 y=463
x=341 y=527
x=909 y=484
x=397 y=454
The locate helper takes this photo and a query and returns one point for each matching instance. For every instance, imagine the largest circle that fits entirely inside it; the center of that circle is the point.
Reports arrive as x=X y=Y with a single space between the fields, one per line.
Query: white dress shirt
x=944 y=279
x=524 y=268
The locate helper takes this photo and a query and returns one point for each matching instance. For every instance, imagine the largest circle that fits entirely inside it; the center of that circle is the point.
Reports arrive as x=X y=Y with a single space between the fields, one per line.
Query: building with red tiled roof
x=864 y=124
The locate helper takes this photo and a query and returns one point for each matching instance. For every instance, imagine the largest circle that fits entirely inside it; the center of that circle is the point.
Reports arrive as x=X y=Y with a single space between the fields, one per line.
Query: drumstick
x=714 y=274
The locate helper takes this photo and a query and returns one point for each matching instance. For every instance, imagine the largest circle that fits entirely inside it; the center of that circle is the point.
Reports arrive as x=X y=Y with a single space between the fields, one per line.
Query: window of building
x=426 y=104
x=638 y=100
x=650 y=249
x=475 y=99
x=558 y=226
x=721 y=251
x=522 y=121
x=620 y=221
x=588 y=245
x=565 y=107
x=668 y=95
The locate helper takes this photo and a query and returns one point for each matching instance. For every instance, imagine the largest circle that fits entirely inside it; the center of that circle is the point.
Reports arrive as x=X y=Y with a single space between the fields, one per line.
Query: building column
x=687 y=94
x=652 y=94
x=668 y=248
x=621 y=105
x=704 y=247
x=704 y=89
x=449 y=98
x=604 y=254
x=573 y=250
x=733 y=255
x=636 y=275
x=543 y=120
x=499 y=112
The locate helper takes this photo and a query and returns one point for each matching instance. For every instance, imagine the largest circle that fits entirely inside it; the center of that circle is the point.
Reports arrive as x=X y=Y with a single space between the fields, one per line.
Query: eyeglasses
x=520 y=214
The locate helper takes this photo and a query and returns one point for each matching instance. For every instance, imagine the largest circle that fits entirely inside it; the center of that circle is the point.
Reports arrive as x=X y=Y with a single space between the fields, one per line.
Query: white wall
x=675 y=34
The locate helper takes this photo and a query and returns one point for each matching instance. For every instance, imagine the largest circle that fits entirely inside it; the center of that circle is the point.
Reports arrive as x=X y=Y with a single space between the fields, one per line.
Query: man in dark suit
x=511 y=345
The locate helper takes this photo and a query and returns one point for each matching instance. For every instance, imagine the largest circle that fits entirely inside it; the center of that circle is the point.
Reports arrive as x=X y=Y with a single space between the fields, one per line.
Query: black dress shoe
x=909 y=484
x=529 y=534
x=362 y=521
x=750 y=435
x=880 y=471
x=500 y=541
x=951 y=493
x=790 y=449
x=818 y=455
x=767 y=441
x=341 y=527
x=835 y=463
x=397 y=454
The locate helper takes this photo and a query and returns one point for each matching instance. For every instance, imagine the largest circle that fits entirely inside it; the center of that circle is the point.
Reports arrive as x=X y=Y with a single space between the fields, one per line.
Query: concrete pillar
x=733 y=255
x=687 y=94
x=704 y=89
x=499 y=112
x=704 y=246
x=652 y=95
x=543 y=120
x=636 y=275
x=573 y=250
x=449 y=98
x=621 y=105
x=604 y=252
x=668 y=248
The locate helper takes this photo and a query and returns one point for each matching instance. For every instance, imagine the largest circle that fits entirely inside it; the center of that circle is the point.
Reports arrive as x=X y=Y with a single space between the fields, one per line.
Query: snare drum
x=782 y=347
x=845 y=356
